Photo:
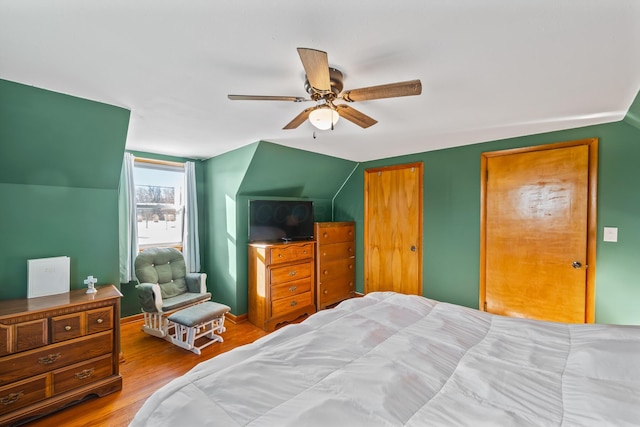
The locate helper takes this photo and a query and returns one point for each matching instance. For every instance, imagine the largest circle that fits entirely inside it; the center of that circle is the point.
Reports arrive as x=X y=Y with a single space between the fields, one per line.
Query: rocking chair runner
x=164 y=287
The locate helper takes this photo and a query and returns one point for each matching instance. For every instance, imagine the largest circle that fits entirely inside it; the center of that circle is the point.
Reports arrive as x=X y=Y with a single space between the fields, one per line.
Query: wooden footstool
x=194 y=322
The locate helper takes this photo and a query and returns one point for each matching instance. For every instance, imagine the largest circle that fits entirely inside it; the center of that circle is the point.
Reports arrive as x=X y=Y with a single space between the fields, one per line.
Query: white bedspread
x=392 y=360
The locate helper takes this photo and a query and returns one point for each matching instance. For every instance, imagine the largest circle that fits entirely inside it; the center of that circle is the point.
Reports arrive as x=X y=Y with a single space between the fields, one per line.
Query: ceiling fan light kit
x=324 y=118
x=324 y=86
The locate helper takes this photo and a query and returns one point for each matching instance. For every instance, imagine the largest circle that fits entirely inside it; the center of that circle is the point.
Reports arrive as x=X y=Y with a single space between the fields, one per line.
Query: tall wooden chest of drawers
x=335 y=262
x=56 y=350
x=281 y=282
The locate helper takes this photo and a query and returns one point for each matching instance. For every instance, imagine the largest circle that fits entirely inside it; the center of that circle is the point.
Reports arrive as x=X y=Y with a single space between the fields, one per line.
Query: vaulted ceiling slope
x=489 y=70
x=47 y=138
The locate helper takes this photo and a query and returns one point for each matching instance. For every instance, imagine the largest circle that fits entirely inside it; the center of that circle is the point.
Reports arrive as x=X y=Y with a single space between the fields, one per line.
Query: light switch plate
x=610 y=234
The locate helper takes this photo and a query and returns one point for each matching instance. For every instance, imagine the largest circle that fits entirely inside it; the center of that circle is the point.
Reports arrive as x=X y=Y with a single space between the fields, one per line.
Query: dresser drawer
x=335 y=234
x=80 y=374
x=23 y=393
x=290 y=272
x=291 y=288
x=334 y=291
x=286 y=305
x=34 y=362
x=288 y=253
x=331 y=270
x=336 y=250
x=23 y=336
x=99 y=320
x=5 y=339
x=67 y=327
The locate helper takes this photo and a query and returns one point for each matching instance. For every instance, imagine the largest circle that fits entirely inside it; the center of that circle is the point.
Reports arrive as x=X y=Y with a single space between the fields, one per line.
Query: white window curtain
x=128 y=231
x=190 y=240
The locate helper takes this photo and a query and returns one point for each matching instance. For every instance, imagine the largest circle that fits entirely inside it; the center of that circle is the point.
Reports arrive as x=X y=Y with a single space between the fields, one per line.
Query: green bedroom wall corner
x=223 y=176
x=53 y=139
x=633 y=115
x=60 y=162
x=451 y=238
x=261 y=170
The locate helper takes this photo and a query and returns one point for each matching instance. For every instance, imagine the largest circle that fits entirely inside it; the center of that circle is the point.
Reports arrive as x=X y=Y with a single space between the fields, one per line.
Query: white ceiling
x=490 y=69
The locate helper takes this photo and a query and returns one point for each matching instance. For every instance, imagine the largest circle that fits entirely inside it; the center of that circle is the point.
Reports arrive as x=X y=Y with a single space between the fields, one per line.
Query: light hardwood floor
x=149 y=364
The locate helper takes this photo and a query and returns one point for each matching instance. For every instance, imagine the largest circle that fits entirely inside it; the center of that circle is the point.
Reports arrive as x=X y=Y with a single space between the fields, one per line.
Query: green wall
x=633 y=115
x=451 y=239
x=223 y=176
x=259 y=171
x=60 y=160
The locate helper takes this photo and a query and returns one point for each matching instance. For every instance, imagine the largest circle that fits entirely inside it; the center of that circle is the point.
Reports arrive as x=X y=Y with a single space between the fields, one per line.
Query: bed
x=390 y=359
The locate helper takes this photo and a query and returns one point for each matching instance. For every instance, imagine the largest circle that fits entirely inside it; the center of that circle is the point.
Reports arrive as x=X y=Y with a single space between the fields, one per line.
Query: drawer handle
x=325 y=272
x=292 y=273
x=325 y=292
x=279 y=255
x=49 y=359
x=293 y=288
x=82 y=375
x=67 y=328
x=11 y=398
x=99 y=321
x=293 y=303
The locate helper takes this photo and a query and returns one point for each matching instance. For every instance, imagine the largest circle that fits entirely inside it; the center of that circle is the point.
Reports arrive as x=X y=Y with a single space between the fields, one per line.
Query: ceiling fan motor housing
x=336 y=80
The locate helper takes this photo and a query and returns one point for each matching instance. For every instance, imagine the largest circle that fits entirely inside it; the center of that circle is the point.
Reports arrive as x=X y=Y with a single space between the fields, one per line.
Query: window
x=160 y=202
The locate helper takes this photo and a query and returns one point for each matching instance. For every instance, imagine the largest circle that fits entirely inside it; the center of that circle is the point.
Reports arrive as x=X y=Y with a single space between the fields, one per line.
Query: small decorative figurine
x=90 y=281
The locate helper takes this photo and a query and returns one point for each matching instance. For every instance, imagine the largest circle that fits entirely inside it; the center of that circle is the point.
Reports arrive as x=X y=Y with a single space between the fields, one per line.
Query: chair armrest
x=196 y=282
x=150 y=297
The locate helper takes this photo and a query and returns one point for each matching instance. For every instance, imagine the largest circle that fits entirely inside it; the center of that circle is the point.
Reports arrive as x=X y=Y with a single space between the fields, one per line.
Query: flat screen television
x=280 y=220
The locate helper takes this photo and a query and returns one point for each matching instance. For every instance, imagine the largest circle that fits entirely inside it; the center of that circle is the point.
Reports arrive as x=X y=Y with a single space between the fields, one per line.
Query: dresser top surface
x=75 y=297
x=280 y=244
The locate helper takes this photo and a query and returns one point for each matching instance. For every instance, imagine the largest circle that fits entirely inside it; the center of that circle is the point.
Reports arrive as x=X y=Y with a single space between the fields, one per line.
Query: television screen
x=280 y=220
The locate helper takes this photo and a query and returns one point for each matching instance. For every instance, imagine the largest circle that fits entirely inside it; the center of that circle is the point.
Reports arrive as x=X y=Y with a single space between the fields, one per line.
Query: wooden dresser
x=56 y=350
x=335 y=262
x=281 y=282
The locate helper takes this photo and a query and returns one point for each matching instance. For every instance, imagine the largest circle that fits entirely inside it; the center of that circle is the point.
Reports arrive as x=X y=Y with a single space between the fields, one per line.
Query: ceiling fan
x=324 y=85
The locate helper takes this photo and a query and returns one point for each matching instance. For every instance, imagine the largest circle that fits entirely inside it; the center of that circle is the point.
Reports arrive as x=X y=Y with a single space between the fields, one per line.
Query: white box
x=48 y=276
x=610 y=234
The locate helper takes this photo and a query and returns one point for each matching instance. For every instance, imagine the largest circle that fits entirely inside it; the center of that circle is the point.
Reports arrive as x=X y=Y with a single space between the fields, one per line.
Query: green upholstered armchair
x=164 y=286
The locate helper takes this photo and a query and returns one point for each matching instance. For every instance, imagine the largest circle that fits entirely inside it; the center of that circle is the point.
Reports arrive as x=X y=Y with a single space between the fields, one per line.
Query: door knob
x=413 y=248
x=576 y=264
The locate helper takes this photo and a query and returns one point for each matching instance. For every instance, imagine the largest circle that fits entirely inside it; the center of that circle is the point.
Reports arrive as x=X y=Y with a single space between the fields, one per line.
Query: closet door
x=393 y=229
x=538 y=232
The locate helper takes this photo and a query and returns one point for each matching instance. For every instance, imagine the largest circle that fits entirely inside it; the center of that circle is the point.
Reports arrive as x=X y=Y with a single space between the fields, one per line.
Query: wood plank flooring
x=150 y=363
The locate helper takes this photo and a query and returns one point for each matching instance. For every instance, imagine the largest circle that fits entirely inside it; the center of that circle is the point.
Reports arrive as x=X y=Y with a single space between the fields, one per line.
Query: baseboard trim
x=236 y=319
x=129 y=319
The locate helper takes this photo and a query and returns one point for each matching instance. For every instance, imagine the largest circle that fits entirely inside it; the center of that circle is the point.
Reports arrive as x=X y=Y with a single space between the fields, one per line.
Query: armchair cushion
x=164 y=266
x=196 y=282
x=164 y=284
x=147 y=295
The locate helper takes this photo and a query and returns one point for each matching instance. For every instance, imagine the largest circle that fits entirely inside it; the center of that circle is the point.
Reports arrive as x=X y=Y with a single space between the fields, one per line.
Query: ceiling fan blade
x=299 y=119
x=391 y=90
x=266 y=98
x=316 y=65
x=355 y=116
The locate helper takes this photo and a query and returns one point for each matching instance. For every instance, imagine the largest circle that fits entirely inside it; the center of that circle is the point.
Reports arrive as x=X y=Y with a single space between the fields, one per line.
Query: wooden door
x=393 y=229
x=538 y=232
